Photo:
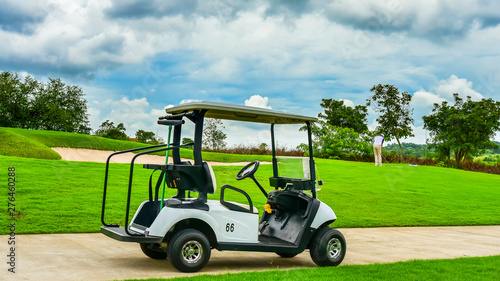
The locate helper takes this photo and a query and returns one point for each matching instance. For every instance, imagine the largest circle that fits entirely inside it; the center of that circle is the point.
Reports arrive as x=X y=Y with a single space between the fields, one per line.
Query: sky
x=134 y=58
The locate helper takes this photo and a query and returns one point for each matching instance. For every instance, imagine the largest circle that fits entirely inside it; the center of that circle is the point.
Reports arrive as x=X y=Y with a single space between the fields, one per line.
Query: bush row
x=390 y=157
x=467 y=165
x=257 y=150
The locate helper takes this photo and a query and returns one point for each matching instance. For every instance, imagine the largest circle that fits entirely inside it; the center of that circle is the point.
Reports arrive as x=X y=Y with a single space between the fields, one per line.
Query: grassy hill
x=37 y=144
x=14 y=143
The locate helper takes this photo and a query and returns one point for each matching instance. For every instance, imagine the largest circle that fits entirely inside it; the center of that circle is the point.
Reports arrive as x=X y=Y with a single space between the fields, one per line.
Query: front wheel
x=328 y=247
x=188 y=250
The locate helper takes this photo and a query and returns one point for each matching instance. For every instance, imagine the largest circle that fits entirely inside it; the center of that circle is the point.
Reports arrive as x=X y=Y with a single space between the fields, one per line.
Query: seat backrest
x=192 y=178
x=211 y=180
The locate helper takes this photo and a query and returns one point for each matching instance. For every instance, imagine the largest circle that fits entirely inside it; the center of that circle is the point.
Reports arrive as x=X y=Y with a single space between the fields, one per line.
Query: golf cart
x=184 y=229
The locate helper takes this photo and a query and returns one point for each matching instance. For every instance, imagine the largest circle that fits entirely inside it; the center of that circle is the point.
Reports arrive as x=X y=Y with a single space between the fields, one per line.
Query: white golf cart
x=185 y=229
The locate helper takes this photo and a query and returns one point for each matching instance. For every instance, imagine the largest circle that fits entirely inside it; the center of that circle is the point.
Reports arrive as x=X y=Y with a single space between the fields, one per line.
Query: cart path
x=91 y=155
x=96 y=257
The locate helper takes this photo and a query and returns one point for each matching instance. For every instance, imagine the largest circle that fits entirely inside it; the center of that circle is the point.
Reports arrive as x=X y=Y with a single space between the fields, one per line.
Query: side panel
x=324 y=214
x=228 y=226
x=236 y=227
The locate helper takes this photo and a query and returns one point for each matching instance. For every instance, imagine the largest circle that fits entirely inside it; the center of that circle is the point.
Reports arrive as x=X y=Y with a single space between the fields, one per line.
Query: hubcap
x=192 y=251
x=334 y=248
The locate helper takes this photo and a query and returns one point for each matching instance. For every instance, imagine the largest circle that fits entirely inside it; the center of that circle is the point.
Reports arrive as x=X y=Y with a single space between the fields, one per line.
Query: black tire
x=328 y=247
x=287 y=255
x=188 y=250
x=153 y=251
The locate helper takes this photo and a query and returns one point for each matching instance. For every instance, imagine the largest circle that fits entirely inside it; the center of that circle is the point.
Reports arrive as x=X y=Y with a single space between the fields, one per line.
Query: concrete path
x=97 y=257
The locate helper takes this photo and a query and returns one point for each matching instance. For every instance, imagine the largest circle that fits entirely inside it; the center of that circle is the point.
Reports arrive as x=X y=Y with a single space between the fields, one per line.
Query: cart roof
x=227 y=111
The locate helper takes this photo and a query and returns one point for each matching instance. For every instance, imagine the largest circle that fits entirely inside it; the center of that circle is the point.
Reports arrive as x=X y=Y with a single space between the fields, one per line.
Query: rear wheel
x=153 y=251
x=188 y=250
x=328 y=247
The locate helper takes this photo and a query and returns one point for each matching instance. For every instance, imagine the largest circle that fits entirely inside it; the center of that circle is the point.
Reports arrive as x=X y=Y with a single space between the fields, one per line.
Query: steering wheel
x=248 y=170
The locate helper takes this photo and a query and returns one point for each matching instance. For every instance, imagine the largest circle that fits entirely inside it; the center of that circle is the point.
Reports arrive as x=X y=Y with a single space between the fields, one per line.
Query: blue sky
x=133 y=58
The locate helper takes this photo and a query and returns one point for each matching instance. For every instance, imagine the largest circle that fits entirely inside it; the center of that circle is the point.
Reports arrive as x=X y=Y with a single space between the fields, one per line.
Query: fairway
x=54 y=196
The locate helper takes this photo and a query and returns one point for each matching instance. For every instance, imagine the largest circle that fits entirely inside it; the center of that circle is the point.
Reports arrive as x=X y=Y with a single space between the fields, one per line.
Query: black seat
x=199 y=179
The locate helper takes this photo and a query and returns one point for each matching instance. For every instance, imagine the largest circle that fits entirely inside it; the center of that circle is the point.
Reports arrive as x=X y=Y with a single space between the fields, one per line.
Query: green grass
x=14 y=144
x=483 y=268
x=400 y=195
x=65 y=139
x=54 y=196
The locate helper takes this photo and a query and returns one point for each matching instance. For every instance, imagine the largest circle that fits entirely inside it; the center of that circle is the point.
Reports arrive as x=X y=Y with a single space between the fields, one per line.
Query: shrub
x=254 y=149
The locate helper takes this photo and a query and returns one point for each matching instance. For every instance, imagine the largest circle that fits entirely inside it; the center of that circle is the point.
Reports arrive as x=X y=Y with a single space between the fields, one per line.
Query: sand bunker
x=90 y=155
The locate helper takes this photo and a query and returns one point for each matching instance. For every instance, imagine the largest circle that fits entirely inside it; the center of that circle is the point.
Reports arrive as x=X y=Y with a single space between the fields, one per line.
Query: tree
x=186 y=141
x=146 y=137
x=34 y=105
x=496 y=150
x=108 y=130
x=465 y=129
x=15 y=100
x=213 y=138
x=395 y=113
x=337 y=142
x=338 y=114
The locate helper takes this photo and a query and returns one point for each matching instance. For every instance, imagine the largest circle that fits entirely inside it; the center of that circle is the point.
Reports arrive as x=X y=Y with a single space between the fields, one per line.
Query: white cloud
x=135 y=114
x=448 y=87
x=188 y=101
x=444 y=91
x=373 y=125
x=258 y=101
x=420 y=137
x=242 y=133
x=434 y=20
x=422 y=98
x=94 y=117
x=348 y=103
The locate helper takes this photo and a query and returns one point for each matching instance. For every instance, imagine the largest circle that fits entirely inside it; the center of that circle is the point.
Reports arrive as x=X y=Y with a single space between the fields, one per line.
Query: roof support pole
x=312 y=166
x=273 y=147
x=198 y=136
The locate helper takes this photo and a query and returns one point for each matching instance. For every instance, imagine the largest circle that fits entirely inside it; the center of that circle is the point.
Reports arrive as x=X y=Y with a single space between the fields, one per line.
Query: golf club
x=385 y=160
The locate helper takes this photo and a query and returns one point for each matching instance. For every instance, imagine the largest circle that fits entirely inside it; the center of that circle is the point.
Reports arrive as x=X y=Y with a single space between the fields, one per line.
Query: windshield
x=293 y=167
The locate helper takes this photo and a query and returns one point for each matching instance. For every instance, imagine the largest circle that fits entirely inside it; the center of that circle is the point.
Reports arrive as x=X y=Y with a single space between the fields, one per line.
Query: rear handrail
x=107 y=173
x=106 y=177
x=127 y=211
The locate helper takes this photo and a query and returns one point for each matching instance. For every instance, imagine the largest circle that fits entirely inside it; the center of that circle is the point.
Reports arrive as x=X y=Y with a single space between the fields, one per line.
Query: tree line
x=55 y=106
x=31 y=104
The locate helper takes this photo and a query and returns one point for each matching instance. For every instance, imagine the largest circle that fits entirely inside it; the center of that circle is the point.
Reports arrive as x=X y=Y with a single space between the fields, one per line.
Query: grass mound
x=73 y=140
x=14 y=144
x=22 y=142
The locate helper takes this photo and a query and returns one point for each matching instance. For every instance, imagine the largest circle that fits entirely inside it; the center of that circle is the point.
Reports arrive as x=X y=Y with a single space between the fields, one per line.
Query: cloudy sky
x=133 y=58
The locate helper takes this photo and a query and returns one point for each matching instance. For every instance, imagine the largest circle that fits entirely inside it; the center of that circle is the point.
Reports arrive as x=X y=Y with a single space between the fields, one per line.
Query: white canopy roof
x=226 y=111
